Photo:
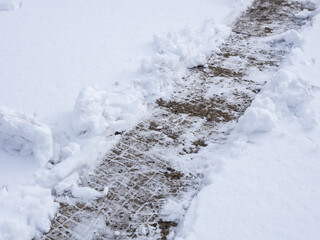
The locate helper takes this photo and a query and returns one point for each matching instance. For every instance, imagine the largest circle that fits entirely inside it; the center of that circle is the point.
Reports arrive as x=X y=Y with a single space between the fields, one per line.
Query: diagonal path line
x=139 y=171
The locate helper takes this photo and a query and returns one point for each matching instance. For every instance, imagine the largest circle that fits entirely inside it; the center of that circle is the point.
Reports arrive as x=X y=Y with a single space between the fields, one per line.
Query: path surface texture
x=142 y=177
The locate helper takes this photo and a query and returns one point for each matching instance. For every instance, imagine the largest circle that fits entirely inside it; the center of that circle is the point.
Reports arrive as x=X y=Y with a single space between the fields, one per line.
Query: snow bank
x=179 y=51
x=266 y=188
x=25 y=136
x=25 y=211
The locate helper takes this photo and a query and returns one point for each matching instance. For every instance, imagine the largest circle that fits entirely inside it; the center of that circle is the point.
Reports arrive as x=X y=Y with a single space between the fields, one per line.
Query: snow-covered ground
x=74 y=72
x=266 y=185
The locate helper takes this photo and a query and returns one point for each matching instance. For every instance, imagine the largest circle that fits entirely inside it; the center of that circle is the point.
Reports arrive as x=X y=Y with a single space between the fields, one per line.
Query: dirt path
x=139 y=171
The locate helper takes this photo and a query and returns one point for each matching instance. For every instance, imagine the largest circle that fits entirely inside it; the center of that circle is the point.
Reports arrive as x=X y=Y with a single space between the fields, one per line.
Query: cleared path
x=139 y=171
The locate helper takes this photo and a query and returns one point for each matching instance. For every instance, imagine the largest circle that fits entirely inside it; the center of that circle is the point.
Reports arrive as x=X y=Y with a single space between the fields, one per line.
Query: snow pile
x=100 y=112
x=270 y=166
x=259 y=117
x=25 y=136
x=178 y=51
x=6 y=5
x=25 y=211
x=190 y=45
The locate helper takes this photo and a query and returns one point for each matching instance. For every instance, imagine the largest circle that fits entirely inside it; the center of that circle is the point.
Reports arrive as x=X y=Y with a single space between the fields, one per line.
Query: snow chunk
x=97 y=112
x=172 y=210
x=25 y=211
x=303 y=14
x=70 y=150
x=178 y=51
x=70 y=184
x=257 y=119
x=291 y=37
x=87 y=113
x=190 y=45
x=293 y=89
x=86 y=193
x=24 y=135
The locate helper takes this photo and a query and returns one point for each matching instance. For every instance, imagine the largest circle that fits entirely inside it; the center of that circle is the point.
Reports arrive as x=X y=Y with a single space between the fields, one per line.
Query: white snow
x=101 y=112
x=303 y=14
x=72 y=74
x=267 y=187
x=8 y=5
x=87 y=115
x=25 y=211
x=291 y=37
x=178 y=51
x=70 y=185
x=23 y=135
x=257 y=119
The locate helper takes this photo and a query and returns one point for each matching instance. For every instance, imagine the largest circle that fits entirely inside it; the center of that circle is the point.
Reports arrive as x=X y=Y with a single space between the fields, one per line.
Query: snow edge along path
x=266 y=185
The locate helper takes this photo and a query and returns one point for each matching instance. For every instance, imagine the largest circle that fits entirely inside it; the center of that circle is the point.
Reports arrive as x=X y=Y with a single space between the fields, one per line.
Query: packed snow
x=73 y=73
x=266 y=184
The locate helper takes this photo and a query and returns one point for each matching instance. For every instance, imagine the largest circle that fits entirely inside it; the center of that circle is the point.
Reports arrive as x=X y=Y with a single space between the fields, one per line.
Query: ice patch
x=25 y=135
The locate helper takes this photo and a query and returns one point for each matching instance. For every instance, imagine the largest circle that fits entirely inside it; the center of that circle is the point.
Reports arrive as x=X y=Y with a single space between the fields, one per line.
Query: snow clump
x=25 y=136
x=97 y=112
x=70 y=185
x=88 y=112
x=290 y=38
x=259 y=117
x=25 y=211
x=179 y=51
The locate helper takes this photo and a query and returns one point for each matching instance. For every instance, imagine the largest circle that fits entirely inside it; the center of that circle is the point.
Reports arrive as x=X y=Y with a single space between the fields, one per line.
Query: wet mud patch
x=213 y=110
x=166 y=227
x=268 y=15
x=218 y=71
